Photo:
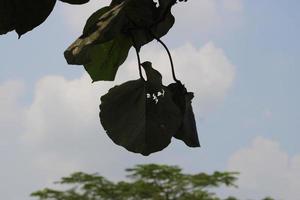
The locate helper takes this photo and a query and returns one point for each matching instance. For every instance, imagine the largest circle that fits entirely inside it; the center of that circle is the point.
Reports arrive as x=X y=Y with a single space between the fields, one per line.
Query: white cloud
x=11 y=112
x=266 y=170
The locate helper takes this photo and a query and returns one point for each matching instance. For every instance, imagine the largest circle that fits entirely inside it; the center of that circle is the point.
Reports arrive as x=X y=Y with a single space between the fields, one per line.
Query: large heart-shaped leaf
x=140 y=115
x=23 y=15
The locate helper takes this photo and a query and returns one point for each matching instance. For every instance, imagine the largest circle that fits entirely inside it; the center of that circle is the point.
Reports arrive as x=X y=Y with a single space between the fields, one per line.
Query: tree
x=151 y=182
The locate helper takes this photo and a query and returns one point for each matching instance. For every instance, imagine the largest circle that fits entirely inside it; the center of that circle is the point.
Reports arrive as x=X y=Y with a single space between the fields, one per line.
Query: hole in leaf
x=156 y=3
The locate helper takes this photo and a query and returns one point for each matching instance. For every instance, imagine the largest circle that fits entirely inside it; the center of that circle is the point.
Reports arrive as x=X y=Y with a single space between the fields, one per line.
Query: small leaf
x=106 y=26
x=143 y=36
x=122 y=21
x=188 y=130
x=94 y=18
x=107 y=57
x=23 y=15
x=140 y=115
x=141 y=13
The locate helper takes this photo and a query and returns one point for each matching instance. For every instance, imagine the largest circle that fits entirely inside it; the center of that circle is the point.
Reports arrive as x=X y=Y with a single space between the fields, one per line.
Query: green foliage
x=152 y=182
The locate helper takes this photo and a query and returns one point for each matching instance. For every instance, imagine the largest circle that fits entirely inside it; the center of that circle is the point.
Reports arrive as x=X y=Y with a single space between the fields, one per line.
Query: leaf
x=107 y=57
x=140 y=115
x=166 y=4
x=160 y=29
x=107 y=25
x=102 y=60
x=6 y=16
x=141 y=13
x=94 y=18
x=75 y=1
x=127 y=19
x=23 y=15
x=188 y=130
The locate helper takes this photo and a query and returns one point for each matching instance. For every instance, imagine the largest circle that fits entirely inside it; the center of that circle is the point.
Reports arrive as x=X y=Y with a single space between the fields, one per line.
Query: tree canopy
x=147 y=182
x=152 y=182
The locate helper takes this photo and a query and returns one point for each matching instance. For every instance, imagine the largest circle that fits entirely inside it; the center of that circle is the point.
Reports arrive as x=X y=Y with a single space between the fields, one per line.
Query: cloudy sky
x=239 y=57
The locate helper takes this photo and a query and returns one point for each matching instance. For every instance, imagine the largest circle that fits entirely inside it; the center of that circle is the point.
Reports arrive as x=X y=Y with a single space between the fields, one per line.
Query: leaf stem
x=139 y=63
x=169 y=54
x=138 y=57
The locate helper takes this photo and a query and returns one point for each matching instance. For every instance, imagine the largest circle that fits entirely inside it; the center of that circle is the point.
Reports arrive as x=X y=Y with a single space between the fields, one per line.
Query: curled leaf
x=140 y=115
x=188 y=130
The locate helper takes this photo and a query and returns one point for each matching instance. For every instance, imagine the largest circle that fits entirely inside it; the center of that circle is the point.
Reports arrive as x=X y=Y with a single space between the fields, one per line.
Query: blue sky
x=240 y=57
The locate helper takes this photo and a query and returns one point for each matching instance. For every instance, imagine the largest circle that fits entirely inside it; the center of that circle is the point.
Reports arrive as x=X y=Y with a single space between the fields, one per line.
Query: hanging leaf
x=141 y=13
x=125 y=20
x=101 y=60
x=140 y=115
x=93 y=19
x=107 y=25
x=188 y=130
x=107 y=57
x=23 y=15
x=144 y=36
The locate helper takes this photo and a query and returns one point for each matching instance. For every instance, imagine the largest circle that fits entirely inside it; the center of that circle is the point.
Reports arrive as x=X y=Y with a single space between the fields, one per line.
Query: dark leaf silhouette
x=107 y=57
x=188 y=130
x=130 y=20
x=23 y=15
x=140 y=115
x=102 y=48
